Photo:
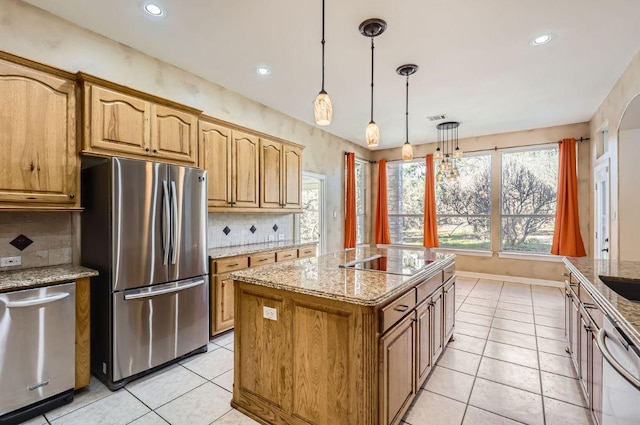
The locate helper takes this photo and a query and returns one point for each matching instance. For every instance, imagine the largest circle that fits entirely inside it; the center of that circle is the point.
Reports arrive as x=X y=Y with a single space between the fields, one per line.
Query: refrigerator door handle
x=166 y=290
x=36 y=301
x=174 y=223
x=165 y=223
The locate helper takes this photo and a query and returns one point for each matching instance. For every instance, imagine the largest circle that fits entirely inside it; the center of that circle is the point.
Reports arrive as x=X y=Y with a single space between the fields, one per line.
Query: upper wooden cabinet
x=39 y=168
x=281 y=175
x=246 y=171
x=123 y=122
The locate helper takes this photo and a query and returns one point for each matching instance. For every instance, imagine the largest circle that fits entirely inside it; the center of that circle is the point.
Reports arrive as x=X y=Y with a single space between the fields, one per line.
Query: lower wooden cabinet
x=437 y=331
x=423 y=342
x=398 y=369
x=224 y=302
x=83 y=332
x=449 y=308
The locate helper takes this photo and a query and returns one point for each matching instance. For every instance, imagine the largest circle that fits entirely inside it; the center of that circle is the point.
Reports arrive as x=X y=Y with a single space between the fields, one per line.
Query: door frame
x=602 y=166
x=322 y=210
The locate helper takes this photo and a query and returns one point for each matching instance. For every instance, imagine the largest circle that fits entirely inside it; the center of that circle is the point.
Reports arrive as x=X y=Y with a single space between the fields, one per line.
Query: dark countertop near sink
x=623 y=311
x=231 y=251
x=13 y=280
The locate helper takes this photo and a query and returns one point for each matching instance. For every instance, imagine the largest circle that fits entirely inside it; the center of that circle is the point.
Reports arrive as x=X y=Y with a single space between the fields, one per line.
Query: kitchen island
x=343 y=338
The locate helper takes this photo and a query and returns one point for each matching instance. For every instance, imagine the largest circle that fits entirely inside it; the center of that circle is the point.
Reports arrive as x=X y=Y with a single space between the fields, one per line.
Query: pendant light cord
x=407 y=113
x=372 y=47
x=322 y=91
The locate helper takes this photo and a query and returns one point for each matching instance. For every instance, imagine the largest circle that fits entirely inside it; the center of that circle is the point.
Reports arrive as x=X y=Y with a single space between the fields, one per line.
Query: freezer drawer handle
x=601 y=341
x=163 y=291
x=37 y=301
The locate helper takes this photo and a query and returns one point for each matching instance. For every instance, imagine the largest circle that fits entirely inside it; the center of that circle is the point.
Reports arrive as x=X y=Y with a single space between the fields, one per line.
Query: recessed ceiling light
x=154 y=9
x=541 y=39
x=263 y=70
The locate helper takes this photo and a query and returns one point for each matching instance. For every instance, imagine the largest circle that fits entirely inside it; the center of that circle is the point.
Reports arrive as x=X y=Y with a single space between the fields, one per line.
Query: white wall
x=629 y=193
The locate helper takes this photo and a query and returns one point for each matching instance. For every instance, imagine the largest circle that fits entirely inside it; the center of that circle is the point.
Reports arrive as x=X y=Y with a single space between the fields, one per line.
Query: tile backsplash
x=51 y=233
x=236 y=229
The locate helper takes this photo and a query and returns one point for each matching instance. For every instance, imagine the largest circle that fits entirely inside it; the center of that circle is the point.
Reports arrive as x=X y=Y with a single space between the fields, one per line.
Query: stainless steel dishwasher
x=37 y=350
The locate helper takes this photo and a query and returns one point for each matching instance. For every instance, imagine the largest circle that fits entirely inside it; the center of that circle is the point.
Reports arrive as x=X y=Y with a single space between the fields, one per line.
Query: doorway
x=602 y=210
x=311 y=223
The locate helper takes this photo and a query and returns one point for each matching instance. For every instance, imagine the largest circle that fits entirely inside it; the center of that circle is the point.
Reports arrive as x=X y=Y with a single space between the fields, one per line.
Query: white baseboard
x=516 y=279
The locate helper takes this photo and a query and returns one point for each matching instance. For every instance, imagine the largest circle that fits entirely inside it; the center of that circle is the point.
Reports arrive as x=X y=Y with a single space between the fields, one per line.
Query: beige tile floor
x=507 y=365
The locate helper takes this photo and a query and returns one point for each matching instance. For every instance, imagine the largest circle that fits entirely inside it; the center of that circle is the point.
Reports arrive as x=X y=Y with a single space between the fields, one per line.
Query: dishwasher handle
x=155 y=292
x=37 y=301
x=601 y=341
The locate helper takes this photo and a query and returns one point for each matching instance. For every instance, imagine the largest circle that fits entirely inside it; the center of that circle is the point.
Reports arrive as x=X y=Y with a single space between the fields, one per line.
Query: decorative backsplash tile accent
x=247 y=228
x=50 y=233
x=21 y=242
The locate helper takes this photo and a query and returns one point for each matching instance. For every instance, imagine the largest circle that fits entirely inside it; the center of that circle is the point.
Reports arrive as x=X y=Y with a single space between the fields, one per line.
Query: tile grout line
x=535 y=330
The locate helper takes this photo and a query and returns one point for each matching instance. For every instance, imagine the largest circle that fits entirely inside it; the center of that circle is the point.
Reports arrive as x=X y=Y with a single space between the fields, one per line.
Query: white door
x=602 y=210
x=311 y=224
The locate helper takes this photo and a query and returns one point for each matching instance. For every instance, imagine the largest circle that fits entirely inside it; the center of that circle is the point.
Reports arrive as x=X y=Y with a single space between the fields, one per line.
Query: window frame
x=395 y=215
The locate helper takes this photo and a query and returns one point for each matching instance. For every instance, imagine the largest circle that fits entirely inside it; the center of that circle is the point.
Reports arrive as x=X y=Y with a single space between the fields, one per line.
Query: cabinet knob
x=155 y=151
x=146 y=149
x=71 y=196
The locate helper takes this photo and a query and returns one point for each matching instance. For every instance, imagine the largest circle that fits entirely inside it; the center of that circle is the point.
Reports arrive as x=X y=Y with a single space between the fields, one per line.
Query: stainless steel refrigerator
x=144 y=229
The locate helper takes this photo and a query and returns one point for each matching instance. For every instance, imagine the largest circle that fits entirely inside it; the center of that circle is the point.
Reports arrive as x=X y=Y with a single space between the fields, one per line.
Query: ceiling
x=476 y=64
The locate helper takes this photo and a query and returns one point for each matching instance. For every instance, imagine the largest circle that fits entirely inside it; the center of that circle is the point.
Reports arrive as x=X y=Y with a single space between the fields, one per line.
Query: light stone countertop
x=231 y=251
x=620 y=309
x=323 y=277
x=13 y=280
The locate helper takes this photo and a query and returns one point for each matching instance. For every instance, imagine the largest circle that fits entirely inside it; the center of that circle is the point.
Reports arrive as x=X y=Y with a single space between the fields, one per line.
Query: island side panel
x=324 y=359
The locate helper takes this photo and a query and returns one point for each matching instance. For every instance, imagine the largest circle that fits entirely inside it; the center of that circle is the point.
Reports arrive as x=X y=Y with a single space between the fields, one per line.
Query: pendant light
x=322 y=109
x=447 y=151
x=372 y=28
x=407 y=149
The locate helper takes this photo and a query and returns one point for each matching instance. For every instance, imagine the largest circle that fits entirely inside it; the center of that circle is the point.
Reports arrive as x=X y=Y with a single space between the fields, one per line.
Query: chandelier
x=447 y=151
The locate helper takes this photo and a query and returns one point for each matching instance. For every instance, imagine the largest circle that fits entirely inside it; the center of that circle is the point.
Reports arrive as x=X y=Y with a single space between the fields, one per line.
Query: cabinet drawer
x=289 y=254
x=260 y=259
x=307 y=251
x=591 y=307
x=399 y=308
x=428 y=287
x=232 y=264
x=448 y=272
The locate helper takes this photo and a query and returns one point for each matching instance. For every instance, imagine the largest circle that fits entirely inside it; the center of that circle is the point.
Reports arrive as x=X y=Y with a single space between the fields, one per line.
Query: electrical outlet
x=10 y=261
x=281 y=237
x=272 y=238
x=270 y=313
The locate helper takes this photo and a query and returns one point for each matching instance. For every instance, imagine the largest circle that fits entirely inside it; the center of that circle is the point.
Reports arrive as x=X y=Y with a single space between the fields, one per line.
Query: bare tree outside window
x=361 y=174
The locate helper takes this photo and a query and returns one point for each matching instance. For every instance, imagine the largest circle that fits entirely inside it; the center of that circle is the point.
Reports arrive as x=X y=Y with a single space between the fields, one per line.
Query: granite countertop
x=12 y=280
x=321 y=276
x=230 y=251
x=620 y=309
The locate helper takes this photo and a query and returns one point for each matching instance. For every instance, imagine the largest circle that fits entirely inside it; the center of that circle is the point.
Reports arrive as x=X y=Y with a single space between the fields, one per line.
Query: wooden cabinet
x=281 y=175
x=245 y=180
x=224 y=302
x=398 y=370
x=83 y=333
x=437 y=334
x=424 y=360
x=449 y=308
x=119 y=121
x=39 y=167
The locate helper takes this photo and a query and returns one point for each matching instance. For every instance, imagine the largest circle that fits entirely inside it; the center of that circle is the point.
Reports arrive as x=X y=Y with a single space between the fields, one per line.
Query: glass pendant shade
x=322 y=109
x=451 y=177
x=437 y=156
x=442 y=166
x=457 y=154
x=372 y=135
x=407 y=152
x=439 y=177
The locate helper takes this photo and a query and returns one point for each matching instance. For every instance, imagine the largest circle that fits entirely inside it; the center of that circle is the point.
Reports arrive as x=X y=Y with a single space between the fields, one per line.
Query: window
x=361 y=185
x=528 y=201
x=463 y=207
x=405 y=192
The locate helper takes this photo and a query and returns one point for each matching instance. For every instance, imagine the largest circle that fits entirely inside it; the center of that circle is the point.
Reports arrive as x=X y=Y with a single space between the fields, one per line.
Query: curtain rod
x=362 y=159
x=495 y=149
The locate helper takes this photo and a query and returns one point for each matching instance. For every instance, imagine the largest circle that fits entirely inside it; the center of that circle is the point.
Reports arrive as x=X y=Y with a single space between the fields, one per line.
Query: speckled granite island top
x=623 y=311
x=13 y=280
x=322 y=276
x=231 y=251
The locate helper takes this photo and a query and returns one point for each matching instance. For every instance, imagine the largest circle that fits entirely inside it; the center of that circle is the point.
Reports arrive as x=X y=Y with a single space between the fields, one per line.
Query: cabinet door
x=118 y=123
x=423 y=343
x=245 y=160
x=574 y=319
x=398 y=370
x=585 y=355
x=39 y=162
x=449 y=309
x=437 y=335
x=292 y=190
x=215 y=157
x=270 y=174
x=173 y=135
x=596 y=378
x=223 y=303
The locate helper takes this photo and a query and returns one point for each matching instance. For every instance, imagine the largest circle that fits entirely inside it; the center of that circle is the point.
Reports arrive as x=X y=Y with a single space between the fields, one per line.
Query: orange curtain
x=350 y=202
x=566 y=237
x=383 y=235
x=430 y=222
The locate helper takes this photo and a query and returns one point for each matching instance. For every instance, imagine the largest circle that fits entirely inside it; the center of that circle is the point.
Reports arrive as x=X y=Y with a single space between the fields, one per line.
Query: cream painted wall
x=503 y=266
x=609 y=115
x=37 y=35
x=629 y=191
